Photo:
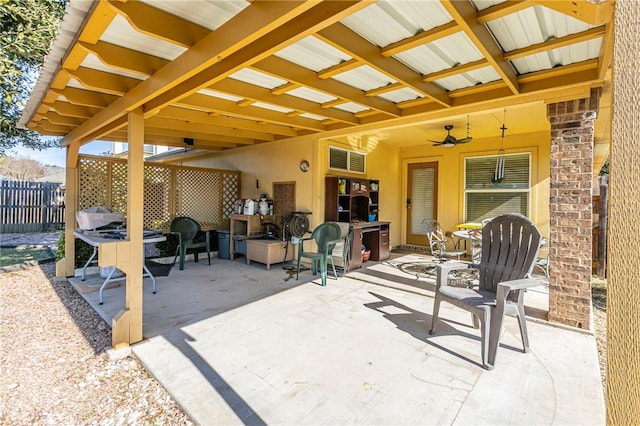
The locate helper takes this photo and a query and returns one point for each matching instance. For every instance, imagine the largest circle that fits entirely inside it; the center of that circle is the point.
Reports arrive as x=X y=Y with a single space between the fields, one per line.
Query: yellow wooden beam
x=245 y=103
x=285 y=88
x=124 y=59
x=203 y=128
x=86 y=97
x=103 y=82
x=606 y=52
x=217 y=119
x=243 y=29
x=319 y=16
x=346 y=40
x=61 y=120
x=256 y=93
x=590 y=11
x=70 y=110
x=160 y=24
x=458 y=69
x=566 y=70
x=503 y=9
x=466 y=16
x=555 y=43
x=331 y=104
x=339 y=69
x=305 y=77
x=100 y=19
x=105 y=130
x=249 y=112
x=420 y=39
x=385 y=89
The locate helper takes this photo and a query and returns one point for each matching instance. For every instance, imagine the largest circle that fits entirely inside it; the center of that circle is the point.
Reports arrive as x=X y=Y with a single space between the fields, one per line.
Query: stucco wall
x=451 y=170
x=623 y=294
x=279 y=162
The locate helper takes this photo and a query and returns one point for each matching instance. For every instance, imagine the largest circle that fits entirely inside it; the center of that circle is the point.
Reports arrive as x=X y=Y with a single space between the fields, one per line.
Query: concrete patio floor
x=236 y=344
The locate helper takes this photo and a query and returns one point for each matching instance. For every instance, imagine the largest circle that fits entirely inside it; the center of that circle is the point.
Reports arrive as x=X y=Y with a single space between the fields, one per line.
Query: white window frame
x=496 y=189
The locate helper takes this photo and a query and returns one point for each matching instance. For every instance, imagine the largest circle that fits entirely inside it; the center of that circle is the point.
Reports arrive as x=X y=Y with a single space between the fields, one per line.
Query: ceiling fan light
x=448 y=144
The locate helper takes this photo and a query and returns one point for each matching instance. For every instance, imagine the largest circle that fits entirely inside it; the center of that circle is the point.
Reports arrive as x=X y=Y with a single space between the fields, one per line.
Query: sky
x=57 y=156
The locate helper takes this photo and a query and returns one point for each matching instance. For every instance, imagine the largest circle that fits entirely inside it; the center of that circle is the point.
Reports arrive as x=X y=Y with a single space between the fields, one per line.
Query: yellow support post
x=127 y=325
x=66 y=267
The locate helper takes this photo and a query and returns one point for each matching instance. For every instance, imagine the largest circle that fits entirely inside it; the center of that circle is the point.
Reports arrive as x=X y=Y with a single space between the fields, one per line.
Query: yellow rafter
x=246 y=27
x=555 y=43
x=344 y=39
x=465 y=15
x=420 y=39
x=295 y=73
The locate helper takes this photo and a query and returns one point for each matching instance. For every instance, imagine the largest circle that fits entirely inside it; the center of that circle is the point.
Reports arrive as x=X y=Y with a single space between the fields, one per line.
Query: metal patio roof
x=236 y=73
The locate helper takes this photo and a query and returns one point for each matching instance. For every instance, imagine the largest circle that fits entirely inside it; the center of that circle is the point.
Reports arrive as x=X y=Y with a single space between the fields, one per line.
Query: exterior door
x=422 y=199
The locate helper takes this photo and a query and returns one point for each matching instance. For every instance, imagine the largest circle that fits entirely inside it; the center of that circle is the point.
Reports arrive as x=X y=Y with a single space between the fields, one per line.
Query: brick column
x=570 y=210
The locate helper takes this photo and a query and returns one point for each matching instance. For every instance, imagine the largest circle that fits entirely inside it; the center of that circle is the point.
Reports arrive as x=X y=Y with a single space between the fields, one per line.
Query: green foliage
x=605 y=168
x=27 y=28
x=83 y=251
x=13 y=256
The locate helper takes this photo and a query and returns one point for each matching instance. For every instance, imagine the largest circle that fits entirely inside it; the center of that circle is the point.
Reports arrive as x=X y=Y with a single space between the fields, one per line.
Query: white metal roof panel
x=364 y=78
x=533 y=25
x=210 y=14
x=484 y=4
x=351 y=107
x=401 y=95
x=578 y=52
x=93 y=62
x=441 y=54
x=272 y=107
x=468 y=79
x=257 y=78
x=219 y=95
x=386 y=22
x=120 y=33
x=313 y=53
x=311 y=95
x=313 y=116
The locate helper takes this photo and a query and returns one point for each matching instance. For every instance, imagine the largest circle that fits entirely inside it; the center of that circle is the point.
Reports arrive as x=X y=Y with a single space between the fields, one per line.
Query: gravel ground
x=53 y=364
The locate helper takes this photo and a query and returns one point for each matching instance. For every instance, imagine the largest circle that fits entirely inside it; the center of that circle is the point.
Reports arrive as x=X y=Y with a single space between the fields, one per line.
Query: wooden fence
x=31 y=206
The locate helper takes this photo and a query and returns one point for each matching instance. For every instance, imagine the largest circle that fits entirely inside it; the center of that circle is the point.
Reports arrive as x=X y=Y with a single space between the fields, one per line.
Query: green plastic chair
x=326 y=236
x=186 y=229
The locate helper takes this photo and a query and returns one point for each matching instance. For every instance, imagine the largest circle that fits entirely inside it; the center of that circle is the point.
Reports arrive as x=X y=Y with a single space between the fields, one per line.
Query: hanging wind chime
x=498 y=174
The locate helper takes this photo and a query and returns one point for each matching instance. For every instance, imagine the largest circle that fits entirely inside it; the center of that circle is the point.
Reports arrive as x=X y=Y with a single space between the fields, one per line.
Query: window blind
x=423 y=188
x=485 y=197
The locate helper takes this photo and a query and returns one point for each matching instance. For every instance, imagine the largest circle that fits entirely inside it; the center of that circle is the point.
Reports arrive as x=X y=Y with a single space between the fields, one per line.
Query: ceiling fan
x=449 y=140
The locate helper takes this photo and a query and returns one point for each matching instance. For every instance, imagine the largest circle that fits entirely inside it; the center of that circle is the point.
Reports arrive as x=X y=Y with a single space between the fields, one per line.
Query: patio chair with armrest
x=187 y=230
x=441 y=246
x=326 y=236
x=510 y=245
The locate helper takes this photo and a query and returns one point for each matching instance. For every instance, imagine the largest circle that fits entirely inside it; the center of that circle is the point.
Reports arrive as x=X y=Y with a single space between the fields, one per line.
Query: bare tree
x=24 y=169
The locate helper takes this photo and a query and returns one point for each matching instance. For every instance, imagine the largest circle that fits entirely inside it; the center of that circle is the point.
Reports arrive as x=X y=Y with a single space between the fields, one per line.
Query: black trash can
x=223 y=243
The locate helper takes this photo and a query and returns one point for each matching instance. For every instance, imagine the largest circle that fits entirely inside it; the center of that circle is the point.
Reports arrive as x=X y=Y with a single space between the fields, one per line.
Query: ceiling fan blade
x=465 y=140
x=436 y=144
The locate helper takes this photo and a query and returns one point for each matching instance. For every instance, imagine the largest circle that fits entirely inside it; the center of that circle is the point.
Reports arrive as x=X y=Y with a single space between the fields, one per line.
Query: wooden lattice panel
x=94 y=183
x=119 y=187
x=198 y=195
x=206 y=195
x=157 y=197
x=230 y=194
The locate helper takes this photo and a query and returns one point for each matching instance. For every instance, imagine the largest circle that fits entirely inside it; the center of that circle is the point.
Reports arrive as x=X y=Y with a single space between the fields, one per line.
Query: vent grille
x=342 y=159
